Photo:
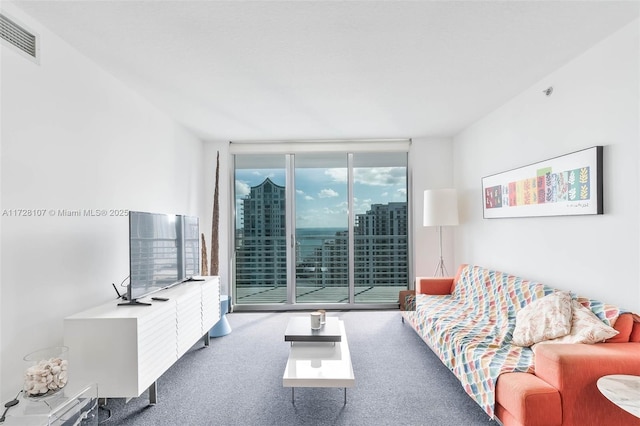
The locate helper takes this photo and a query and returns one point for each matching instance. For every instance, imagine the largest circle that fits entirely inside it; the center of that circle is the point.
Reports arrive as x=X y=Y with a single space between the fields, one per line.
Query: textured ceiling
x=244 y=70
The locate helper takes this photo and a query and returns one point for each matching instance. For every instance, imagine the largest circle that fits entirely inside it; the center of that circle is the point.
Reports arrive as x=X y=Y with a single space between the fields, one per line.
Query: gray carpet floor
x=237 y=380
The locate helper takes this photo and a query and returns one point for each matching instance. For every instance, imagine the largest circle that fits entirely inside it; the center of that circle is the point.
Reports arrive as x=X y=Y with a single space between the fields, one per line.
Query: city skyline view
x=321 y=194
x=326 y=257
x=321 y=259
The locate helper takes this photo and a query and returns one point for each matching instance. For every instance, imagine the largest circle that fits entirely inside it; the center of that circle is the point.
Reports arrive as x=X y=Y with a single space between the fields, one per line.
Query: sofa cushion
x=624 y=325
x=546 y=318
x=586 y=327
x=435 y=286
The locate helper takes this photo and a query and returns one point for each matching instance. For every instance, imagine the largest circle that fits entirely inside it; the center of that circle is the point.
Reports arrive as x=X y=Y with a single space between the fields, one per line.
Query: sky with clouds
x=321 y=193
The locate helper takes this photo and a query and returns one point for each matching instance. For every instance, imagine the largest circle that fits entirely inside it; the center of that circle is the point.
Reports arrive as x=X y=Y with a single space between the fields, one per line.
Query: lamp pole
x=440 y=267
x=440 y=209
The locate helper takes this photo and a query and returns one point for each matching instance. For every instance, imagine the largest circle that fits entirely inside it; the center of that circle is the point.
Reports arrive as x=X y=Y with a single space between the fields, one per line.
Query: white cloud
x=363 y=206
x=327 y=193
x=375 y=176
x=304 y=195
x=242 y=188
x=380 y=176
x=337 y=175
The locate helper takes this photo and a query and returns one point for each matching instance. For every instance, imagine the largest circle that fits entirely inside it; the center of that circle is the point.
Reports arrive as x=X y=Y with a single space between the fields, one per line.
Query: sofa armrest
x=524 y=399
x=402 y=298
x=434 y=286
x=574 y=369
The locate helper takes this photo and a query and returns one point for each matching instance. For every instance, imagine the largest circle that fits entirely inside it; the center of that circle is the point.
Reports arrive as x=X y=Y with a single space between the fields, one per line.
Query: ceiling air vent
x=18 y=37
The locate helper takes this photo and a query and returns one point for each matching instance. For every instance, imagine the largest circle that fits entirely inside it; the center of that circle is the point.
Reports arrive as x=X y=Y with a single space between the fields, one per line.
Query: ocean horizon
x=308 y=239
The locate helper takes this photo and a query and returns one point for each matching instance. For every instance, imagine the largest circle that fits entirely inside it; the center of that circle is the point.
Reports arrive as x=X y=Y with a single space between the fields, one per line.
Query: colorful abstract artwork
x=567 y=185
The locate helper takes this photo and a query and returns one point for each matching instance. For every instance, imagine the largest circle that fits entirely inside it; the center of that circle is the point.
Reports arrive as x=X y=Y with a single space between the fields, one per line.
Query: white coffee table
x=319 y=364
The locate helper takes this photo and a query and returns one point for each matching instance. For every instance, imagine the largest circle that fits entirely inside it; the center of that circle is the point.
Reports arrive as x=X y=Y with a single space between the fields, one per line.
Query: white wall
x=73 y=137
x=430 y=160
x=595 y=102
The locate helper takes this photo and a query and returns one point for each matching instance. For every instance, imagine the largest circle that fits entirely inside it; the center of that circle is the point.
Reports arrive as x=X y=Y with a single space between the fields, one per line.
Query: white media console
x=125 y=349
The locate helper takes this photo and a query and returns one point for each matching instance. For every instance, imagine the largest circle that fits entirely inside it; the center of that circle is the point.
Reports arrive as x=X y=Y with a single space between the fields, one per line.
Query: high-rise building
x=261 y=255
x=381 y=246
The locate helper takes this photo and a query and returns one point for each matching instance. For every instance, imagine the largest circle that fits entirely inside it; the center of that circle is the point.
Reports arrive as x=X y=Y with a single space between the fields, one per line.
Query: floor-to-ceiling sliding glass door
x=381 y=248
x=260 y=258
x=320 y=229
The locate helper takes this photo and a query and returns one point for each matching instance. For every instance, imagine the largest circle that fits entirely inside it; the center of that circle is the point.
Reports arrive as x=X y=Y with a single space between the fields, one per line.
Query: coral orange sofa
x=469 y=320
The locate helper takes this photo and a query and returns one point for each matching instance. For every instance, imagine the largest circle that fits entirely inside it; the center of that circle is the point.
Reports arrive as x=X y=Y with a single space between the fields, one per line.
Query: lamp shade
x=440 y=207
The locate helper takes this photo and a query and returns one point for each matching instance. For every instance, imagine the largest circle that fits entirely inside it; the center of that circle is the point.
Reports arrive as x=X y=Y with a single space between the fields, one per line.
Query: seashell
x=46 y=376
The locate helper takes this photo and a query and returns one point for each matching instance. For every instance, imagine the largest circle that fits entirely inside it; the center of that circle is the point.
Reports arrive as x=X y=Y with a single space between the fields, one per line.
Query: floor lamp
x=440 y=209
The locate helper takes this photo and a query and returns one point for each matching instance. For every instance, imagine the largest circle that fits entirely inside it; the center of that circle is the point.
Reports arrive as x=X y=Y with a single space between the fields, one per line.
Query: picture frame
x=570 y=184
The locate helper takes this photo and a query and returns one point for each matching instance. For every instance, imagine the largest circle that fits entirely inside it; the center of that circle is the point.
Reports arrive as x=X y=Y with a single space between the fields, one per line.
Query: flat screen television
x=164 y=250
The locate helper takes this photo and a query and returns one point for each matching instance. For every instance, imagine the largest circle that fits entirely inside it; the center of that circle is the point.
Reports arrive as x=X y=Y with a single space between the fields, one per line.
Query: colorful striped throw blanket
x=471 y=329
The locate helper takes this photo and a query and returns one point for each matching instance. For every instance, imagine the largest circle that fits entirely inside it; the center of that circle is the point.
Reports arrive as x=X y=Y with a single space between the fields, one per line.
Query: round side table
x=623 y=390
x=222 y=327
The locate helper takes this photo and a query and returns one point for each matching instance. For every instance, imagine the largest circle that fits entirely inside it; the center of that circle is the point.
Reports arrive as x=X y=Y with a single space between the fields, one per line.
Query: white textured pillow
x=546 y=318
x=586 y=327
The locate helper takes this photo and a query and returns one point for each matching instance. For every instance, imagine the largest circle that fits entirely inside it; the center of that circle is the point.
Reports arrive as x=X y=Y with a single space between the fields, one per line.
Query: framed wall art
x=567 y=185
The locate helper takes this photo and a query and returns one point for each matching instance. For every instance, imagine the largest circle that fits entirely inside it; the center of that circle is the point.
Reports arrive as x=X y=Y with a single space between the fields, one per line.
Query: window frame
x=302 y=147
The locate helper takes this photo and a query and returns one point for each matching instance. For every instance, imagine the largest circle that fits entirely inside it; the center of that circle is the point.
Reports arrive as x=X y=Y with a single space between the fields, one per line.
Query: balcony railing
x=322 y=273
x=276 y=295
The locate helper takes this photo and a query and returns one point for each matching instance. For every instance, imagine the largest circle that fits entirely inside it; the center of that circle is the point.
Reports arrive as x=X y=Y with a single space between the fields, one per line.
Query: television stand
x=125 y=351
x=134 y=303
x=192 y=279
